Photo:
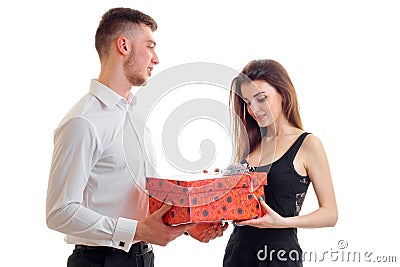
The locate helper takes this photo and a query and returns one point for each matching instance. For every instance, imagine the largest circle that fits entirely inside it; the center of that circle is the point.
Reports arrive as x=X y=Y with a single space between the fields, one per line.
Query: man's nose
x=155 y=59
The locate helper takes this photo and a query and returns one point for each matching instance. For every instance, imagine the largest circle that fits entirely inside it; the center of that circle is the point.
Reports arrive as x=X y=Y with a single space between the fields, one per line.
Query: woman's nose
x=254 y=107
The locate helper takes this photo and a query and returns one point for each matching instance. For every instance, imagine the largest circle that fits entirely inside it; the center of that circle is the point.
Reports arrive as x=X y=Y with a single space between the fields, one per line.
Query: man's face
x=142 y=57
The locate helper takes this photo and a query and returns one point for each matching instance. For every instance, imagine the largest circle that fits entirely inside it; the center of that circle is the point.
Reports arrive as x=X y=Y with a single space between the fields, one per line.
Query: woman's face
x=263 y=102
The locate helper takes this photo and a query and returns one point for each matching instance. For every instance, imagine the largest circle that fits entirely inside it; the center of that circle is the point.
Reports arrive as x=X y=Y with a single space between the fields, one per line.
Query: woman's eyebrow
x=258 y=94
x=254 y=95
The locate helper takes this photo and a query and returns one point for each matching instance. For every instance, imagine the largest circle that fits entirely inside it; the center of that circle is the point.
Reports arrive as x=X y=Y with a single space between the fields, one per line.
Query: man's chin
x=139 y=82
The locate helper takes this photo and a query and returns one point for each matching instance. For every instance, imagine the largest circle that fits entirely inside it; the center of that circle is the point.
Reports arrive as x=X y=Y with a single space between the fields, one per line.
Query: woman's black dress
x=285 y=193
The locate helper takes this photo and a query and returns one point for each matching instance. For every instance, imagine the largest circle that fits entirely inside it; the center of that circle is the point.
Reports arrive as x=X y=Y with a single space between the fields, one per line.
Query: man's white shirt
x=96 y=189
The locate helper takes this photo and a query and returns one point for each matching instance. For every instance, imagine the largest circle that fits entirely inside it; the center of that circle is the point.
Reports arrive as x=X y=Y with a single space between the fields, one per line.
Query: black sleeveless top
x=284 y=193
x=286 y=188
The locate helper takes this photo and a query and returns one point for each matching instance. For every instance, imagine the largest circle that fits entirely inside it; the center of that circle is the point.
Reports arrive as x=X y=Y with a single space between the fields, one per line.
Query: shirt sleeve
x=76 y=150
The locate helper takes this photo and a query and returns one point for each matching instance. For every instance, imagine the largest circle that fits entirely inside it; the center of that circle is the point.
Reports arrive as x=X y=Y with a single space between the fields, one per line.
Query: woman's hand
x=206 y=231
x=270 y=220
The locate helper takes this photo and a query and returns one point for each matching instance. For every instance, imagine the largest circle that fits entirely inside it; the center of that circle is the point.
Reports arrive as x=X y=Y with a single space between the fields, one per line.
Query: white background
x=343 y=58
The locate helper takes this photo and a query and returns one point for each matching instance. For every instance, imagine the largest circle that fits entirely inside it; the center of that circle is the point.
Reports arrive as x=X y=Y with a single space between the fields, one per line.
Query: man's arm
x=76 y=149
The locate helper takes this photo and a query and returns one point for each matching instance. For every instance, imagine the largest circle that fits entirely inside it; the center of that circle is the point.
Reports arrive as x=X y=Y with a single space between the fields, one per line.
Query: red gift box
x=226 y=198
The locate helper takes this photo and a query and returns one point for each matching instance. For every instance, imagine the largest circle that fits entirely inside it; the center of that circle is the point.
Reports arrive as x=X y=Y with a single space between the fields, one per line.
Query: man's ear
x=122 y=45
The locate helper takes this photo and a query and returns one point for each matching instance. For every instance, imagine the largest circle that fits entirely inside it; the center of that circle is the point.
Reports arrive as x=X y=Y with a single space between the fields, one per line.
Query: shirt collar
x=108 y=96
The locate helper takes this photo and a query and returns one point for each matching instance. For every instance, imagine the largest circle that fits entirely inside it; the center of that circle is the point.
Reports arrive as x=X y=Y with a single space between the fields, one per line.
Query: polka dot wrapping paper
x=229 y=198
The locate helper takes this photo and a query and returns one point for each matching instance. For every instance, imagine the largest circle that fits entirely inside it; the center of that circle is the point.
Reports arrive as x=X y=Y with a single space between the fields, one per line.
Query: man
x=93 y=197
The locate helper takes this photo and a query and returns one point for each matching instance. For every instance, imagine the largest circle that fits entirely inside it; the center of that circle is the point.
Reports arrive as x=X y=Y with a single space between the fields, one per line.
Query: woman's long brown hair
x=247 y=133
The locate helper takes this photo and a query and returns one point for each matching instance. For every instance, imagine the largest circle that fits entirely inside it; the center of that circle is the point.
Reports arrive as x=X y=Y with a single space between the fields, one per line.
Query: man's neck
x=115 y=82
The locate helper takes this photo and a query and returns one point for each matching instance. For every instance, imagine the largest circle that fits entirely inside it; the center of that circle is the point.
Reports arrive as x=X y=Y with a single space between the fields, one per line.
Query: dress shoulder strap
x=291 y=153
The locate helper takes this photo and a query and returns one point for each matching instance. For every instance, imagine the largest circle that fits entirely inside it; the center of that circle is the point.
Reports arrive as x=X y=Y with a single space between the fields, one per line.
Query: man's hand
x=206 y=231
x=154 y=231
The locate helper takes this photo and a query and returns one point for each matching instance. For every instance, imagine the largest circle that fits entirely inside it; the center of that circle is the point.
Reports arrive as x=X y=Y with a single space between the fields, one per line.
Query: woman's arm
x=316 y=164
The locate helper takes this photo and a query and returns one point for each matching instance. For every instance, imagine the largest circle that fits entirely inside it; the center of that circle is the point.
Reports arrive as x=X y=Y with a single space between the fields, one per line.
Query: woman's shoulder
x=312 y=144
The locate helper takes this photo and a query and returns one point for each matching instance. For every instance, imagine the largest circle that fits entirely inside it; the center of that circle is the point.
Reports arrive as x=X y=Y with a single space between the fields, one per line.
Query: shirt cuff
x=124 y=233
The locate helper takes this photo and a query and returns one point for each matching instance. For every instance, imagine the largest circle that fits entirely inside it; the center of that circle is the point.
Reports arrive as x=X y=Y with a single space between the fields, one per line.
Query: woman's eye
x=260 y=100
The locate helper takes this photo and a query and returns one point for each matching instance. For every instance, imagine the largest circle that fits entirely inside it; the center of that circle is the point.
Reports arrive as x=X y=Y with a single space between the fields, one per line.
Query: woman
x=273 y=140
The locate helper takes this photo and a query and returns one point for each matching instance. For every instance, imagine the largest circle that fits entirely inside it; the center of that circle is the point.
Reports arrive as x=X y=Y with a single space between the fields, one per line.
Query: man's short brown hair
x=117 y=21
